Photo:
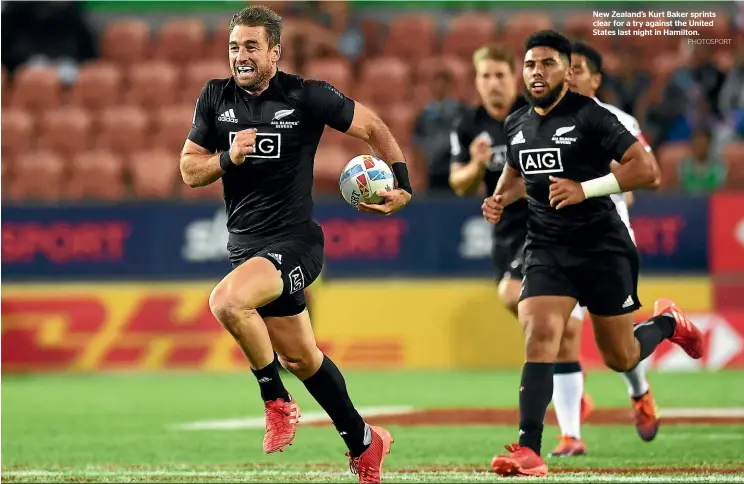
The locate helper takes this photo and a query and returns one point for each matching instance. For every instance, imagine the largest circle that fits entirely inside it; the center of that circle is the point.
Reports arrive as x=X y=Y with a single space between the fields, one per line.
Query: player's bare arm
x=368 y=127
x=638 y=169
x=509 y=189
x=466 y=177
x=200 y=168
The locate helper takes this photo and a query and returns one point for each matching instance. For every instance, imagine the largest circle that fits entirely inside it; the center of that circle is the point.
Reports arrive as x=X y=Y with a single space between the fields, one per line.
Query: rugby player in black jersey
x=258 y=132
x=578 y=249
x=479 y=146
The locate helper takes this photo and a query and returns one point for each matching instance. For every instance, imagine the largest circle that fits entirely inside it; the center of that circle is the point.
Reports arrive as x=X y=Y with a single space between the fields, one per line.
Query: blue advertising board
x=429 y=238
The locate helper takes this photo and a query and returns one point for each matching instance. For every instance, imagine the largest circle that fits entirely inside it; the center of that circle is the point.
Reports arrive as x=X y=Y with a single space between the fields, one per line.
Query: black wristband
x=400 y=170
x=226 y=163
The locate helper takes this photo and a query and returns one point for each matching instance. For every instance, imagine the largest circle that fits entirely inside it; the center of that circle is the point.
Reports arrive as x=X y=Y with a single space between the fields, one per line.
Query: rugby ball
x=362 y=177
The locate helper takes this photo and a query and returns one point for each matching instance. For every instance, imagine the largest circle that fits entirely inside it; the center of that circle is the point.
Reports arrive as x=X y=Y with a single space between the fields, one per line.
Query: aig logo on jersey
x=543 y=160
x=268 y=145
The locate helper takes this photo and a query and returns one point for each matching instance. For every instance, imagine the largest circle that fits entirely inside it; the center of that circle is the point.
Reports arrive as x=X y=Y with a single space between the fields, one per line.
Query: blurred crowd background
x=97 y=97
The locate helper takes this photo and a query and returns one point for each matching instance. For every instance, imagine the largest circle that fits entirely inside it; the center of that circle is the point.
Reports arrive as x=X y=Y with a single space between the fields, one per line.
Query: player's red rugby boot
x=520 y=461
x=686 y=335
x=647 y=421
x=569 y=446
x=369 y=465
x=281 y=424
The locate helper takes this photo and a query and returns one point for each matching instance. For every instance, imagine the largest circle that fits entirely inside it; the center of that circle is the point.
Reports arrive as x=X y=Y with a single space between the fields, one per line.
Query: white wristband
x=599 y=187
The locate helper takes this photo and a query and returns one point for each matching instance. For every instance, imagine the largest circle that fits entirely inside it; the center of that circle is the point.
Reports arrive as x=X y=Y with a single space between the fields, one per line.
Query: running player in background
x=578 y=249
x=568 y=380
x=478 y=148
x=478 y=145
x=258 y=132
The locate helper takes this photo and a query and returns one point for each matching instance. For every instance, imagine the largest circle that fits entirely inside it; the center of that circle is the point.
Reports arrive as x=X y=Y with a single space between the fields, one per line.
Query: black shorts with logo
x=297 y=254
x=604 y=279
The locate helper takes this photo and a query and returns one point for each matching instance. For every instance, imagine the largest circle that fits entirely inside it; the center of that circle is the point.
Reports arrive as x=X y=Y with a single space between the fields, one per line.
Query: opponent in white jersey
x=631 y=124
x=570 y=402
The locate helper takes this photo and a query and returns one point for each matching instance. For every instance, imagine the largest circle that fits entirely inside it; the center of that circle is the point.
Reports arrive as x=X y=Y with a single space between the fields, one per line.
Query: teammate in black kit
x=258 y=131
x=478 y=146
x=578 y=249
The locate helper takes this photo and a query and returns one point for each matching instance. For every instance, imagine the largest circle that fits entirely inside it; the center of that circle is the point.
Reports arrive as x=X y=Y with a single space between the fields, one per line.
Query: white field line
x=307 y=417
x=468 y=476
x=317 y=417
x=701 y=412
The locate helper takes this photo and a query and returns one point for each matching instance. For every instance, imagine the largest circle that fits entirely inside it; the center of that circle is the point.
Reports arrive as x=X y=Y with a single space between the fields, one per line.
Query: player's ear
x=596 y=81
x=276 y=53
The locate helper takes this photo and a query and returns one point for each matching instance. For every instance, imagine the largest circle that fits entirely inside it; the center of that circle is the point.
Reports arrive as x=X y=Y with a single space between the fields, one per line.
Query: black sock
x=566 y=368
x=328 y=387
x=651 y=333
x=534 y=397
x=270 y=383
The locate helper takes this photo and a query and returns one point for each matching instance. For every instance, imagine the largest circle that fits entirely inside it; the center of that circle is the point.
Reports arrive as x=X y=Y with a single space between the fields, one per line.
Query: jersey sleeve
x=612 y=134
x=328 y=104
x=203 y=129
x=460 y=140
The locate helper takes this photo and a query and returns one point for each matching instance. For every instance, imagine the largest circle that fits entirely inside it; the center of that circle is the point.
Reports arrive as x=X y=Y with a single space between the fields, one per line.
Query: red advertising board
x=727 y=233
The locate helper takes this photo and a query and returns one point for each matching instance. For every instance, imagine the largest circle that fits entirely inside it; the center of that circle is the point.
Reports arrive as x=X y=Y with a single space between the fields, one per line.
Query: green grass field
x=196 y=427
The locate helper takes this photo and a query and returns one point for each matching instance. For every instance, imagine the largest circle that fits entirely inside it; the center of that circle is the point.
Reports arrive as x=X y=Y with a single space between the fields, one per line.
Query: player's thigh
x=543 y=319
x=252 y=284
x=299 y=261
x=609 y=291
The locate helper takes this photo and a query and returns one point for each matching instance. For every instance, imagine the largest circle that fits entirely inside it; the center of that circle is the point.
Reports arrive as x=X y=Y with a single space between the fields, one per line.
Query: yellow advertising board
x=372 y=324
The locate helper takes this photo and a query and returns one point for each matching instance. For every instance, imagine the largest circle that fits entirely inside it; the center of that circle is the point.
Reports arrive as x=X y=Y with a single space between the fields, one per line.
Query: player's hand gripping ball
x=367 y=184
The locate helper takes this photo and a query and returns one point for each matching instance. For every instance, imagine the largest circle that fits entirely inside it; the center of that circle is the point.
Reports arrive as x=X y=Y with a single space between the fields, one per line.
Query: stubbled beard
x=260 y=78
x=547 y=99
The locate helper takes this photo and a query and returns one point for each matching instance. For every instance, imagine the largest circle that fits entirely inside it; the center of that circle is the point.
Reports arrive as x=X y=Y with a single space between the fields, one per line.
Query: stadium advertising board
x=727 y=233
x=431 y=324
x=434 y=238
x=157 y=326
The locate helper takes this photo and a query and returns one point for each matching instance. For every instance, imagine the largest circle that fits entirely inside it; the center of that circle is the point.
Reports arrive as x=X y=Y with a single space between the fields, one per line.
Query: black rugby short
x=604 y=281
x=297 y=254
x=507 y=256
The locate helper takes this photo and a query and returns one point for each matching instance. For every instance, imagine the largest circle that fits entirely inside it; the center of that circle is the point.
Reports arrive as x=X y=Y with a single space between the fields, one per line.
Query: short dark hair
x=494 y=52
x=550 y=38
x=593 y=57
x=260 y=16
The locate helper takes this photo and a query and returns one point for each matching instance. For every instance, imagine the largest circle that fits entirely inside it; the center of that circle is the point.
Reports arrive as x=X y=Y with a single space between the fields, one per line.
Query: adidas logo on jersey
x=628 y=302
x=228 y=117
x=276 y=257
x=518 y=139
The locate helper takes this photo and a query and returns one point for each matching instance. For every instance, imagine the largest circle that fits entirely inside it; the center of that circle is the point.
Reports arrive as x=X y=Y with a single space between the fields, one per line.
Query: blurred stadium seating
x=138 y=95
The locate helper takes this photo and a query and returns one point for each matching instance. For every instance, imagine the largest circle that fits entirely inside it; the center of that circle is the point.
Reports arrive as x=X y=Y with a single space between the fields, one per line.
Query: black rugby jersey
x=477 y=122
x=271 y=191
x=577 y=140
